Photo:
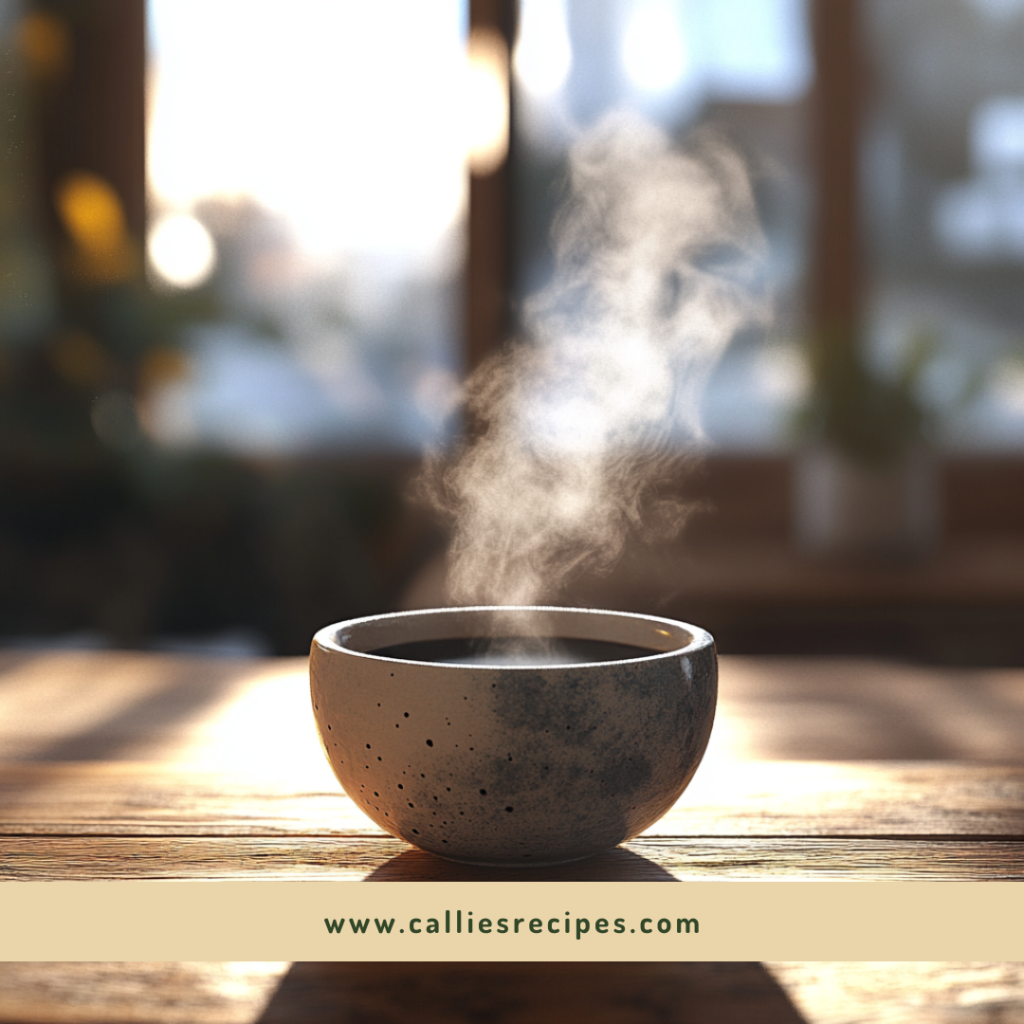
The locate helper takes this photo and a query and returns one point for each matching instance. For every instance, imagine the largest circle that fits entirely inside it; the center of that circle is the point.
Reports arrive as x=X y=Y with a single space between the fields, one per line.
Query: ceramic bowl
x=478 y=755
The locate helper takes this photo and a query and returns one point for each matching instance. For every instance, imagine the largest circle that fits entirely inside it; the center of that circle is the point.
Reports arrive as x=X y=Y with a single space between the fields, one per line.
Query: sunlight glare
x=653 y=51
x=344 y=118
x=487 y=95
x=543 y=53
x=181 y=251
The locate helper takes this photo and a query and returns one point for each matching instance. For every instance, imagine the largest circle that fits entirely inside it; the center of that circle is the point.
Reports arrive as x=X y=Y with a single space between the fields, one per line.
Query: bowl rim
x=327 y=637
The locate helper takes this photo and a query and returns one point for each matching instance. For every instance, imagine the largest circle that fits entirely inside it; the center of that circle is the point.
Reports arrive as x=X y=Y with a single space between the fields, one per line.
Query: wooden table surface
x=124 y=765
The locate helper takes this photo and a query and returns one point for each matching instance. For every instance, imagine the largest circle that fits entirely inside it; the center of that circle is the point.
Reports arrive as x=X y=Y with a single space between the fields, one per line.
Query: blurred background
x=248 y=250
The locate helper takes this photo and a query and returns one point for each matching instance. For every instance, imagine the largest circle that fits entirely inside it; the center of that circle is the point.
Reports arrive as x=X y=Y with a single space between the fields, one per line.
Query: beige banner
x=506 y=921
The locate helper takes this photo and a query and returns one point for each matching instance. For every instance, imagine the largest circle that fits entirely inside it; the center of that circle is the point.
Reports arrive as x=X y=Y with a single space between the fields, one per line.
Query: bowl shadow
x=618 y=865
x=538 y=993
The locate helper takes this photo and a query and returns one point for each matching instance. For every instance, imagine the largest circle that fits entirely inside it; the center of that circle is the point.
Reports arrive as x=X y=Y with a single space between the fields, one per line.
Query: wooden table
x=119 y=765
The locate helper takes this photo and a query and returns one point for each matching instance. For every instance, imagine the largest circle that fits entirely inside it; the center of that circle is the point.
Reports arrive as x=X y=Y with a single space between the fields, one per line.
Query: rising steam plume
x=573 y=428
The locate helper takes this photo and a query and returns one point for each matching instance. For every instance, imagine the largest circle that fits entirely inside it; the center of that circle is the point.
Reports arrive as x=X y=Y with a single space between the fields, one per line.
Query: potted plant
x=866 y=483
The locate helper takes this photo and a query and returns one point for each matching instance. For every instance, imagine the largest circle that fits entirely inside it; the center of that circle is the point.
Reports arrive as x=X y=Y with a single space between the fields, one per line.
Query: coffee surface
x=513 y=651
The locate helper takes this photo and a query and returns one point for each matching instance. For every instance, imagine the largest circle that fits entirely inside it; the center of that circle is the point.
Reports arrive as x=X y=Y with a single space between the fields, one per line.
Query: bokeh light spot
x=80 y=359
x=44 y=42
x=543 y=54
x=181 y=251
x=488 y=100
x=653 y=52
x=91 y=212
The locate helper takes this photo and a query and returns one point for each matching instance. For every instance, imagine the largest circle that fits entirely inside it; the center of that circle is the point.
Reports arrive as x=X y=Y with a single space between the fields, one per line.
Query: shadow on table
x=538 y=993
x=616 y=865
x=128 y=706
x=857 y=709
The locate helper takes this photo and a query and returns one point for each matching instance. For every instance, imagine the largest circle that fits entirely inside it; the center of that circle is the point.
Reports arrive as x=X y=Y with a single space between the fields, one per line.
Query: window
x=744 y=67
x=943 y=197
x=306 y=166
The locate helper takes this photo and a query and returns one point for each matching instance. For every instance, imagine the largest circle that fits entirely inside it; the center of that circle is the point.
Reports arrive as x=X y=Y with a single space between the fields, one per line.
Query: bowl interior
x=513 y=636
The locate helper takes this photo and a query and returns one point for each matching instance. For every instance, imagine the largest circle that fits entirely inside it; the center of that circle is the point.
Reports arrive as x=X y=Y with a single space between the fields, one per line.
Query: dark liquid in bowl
x=513 y=651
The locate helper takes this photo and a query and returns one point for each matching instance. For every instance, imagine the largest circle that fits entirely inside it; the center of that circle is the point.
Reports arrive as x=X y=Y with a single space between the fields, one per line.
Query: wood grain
x=229 y=784
x=939 y=992
x=247 y=715
x=116 y=766
x=822 y=992
x=137 y=993
x=253 y=716
x=845 y=709
x=769 y=799
x=318 y=993
x=364 y=858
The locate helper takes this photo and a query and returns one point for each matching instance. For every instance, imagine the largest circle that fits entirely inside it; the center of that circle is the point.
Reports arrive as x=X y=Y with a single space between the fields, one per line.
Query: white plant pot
x=842 y=508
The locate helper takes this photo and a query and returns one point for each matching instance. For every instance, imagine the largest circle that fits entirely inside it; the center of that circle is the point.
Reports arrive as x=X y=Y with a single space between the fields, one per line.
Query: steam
x=572 y=432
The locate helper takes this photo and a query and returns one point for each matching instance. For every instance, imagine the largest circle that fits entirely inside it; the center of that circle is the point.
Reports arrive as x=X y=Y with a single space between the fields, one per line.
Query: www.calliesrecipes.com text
x=463 y=923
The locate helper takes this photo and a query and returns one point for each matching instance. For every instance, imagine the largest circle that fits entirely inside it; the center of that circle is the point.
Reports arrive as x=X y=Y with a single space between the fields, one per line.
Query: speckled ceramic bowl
x=554 y=757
